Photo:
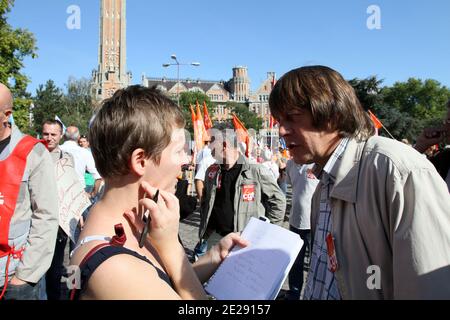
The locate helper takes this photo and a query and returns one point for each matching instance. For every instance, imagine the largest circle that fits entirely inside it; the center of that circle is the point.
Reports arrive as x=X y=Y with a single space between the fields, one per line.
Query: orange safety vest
x=11 y=173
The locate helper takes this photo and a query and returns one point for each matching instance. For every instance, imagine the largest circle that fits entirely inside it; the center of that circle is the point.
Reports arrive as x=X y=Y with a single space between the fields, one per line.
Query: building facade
x=111 y=73
x=237 y=90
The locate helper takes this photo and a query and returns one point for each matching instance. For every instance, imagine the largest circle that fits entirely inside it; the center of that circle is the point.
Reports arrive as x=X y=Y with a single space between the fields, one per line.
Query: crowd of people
x=360 y=202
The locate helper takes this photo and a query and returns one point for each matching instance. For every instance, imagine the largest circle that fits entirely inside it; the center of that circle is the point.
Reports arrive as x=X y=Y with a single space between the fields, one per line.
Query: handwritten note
x=258 y=271
x=72 y=198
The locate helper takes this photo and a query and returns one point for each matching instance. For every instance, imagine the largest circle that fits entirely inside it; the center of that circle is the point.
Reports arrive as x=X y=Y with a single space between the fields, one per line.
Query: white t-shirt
x=204 y=153
x=304 y=184
x=273 y=168
x=204 y=164
x=83 y=160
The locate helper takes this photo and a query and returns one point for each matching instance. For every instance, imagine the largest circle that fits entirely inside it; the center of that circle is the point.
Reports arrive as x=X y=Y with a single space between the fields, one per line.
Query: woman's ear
x=138 y=162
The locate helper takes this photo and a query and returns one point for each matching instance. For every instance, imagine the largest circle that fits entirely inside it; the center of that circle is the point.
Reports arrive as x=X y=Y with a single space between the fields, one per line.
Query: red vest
x=11 y=173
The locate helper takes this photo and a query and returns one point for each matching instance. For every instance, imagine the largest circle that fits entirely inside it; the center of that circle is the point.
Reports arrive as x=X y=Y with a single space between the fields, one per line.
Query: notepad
x=258 y=271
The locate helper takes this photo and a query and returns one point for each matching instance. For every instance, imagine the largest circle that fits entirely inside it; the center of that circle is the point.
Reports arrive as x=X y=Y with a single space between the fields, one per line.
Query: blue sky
x=414 y=39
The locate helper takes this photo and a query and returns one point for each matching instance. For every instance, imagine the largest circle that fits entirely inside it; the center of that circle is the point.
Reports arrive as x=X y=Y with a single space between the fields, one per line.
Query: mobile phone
x=147 y=223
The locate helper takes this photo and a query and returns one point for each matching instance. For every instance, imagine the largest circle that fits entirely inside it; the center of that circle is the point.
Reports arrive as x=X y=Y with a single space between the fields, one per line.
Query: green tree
x=404 y=108
x=368 y=91
x=191 y=98
x=15 y=45
x=78 y=106
x=49 y=101
x=22 y=109
x=424 y=100
x=248 y=118
x=400 y=124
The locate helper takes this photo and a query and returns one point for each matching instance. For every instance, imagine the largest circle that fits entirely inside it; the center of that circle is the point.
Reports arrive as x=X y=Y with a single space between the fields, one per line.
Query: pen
x=147 y=223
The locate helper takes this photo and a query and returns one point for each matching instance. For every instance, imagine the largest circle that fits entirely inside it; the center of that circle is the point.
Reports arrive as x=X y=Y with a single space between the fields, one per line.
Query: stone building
x=111 y=73
x=237 y=90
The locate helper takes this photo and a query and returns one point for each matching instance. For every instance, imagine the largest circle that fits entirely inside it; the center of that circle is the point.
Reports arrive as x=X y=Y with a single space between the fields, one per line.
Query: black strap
x=89 y=267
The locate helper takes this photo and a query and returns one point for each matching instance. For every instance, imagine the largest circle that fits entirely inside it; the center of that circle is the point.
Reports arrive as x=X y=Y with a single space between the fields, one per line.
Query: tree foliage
x=404 y=108
x=48 y=102
x=248 y=118
x=78 y=104
x=73 y=108
x=368 y=91
x=22 y=117
x=421 y=99
x=191 y=98
x=15 y=45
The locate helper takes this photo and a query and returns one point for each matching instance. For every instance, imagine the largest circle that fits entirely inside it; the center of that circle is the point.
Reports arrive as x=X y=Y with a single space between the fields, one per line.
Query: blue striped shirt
x=321 y=283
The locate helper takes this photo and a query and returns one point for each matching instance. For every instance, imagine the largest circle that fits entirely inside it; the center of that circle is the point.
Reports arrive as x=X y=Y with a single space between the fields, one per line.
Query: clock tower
x=111 y=73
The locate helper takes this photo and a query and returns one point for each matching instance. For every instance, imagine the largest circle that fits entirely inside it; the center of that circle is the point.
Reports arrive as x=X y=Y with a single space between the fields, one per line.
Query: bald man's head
x=6 y=105
x=72 y=134
x=6 y=98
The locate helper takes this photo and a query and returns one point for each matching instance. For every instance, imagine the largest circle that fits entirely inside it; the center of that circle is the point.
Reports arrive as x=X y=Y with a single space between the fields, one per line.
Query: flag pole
x=378 y=123
x=271 y=137
x=388 y=132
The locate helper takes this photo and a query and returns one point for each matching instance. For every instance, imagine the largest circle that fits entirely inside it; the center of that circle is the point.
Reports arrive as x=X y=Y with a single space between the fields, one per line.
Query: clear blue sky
x=414 y=39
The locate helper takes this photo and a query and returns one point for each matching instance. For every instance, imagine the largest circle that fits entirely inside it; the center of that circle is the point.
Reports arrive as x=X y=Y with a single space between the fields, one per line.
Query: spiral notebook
x=258 y=271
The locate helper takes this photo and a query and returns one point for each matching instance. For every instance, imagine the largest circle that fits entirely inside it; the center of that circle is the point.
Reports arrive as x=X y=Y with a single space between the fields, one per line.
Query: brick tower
x=111 y=73
x=240 y=84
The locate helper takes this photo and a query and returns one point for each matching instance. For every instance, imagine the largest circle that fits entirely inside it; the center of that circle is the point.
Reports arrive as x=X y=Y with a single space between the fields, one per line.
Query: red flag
x=201 y=127
x=241 y=133
x=375 y=120
x=207 y=120
x=192 y=115
x=271 y=122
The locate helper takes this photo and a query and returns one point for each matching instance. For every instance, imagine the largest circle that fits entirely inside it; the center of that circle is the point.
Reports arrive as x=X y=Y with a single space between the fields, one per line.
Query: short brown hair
x=135 y=117
x=329 y=98
x=52 y=123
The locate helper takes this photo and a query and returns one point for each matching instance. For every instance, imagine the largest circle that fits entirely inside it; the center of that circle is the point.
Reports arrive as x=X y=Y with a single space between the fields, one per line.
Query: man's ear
x=138 y=162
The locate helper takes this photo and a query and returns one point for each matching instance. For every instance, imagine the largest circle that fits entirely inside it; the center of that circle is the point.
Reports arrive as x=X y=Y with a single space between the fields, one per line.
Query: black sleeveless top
x=103 y=254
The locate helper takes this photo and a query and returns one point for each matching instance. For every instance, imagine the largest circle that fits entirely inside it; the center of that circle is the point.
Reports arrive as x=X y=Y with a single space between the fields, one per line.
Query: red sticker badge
x=212 y=173
x=332 y=259
x=310 y=174
x=248 y=193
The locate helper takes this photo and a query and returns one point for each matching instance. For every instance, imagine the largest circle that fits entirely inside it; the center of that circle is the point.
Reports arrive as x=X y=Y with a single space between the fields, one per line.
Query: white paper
x=73 y=200
x=258 y=271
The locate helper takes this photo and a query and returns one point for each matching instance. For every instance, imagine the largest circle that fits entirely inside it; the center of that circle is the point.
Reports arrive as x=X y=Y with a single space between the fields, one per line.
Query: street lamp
x=178 y=64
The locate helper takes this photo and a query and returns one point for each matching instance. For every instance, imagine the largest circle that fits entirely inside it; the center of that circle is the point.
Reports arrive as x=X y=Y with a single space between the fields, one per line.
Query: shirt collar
x=329 y=171
x=57 y=149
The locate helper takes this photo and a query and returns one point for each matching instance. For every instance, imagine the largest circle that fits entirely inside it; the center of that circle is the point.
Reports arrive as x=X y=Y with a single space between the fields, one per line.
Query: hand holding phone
x=148 y=222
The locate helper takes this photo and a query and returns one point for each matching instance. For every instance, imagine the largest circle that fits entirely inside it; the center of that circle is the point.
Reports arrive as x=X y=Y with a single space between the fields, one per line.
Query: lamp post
x=178 y=64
